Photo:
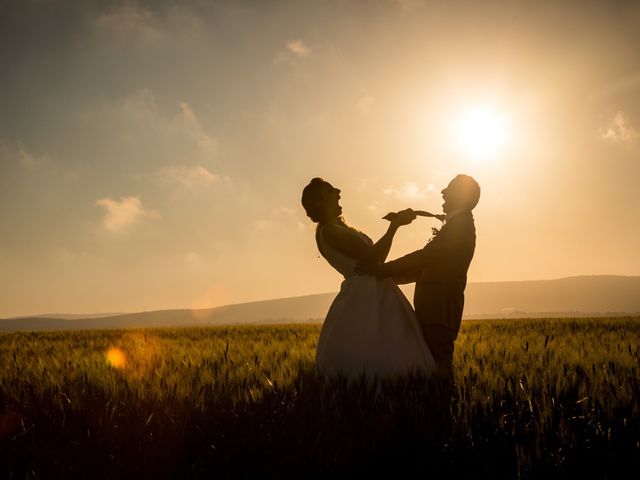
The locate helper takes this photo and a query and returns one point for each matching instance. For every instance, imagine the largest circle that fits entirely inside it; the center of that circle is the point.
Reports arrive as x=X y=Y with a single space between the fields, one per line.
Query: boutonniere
x=434 y=232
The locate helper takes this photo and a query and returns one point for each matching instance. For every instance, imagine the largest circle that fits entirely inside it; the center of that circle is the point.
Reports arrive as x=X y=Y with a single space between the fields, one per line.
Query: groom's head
x=462 y=193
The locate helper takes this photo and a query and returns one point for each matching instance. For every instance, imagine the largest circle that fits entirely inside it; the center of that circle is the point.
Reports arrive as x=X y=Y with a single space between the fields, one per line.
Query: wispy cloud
x=140 y=105
x=618 y=130
x=187 y=176
x=289 y=215
x=365 y=105
x=193 y=127
x=374 y=206
x=130 y=19
x=409 y=191
x=120 y=214
x=27 y=160
x=194 y=261
x=280 y=218
x=294 y=49
x=156 y=24
x=408 y=5
x=19 y=154
x=263 y=225
x=626 y=83
x=298 y=48
x=192 y=258
x=140 y=108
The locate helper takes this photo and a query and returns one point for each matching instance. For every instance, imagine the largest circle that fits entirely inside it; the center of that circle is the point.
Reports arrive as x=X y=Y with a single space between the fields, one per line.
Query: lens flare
x=116 y=358
x=213 y=297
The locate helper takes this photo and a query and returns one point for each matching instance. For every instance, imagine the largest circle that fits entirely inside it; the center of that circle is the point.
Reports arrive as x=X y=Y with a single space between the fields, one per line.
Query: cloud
x=263 y=225
x=27 y=160
x=294 y=49
x=19 y=154
x=618 y=130
x=192 y=258
x=289 y=216
x=363 y=184
x=627 y=83
x=408 y=5
x=193 y=127
x=280 y=218
x=189 y=177
x=140 y=108
x=120 y=214
x=157 y=25
x=365 y=105
x=139 y=105
x=194 y=261
x=298 y=48
x=286 y=210
x=130 y=20
x=409 y=191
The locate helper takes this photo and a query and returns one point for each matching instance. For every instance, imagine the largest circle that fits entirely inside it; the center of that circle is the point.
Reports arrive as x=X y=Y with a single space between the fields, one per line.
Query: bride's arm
x=355 y=248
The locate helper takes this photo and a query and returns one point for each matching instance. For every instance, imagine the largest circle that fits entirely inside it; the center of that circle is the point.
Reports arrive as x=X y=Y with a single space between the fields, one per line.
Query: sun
x=480 y=132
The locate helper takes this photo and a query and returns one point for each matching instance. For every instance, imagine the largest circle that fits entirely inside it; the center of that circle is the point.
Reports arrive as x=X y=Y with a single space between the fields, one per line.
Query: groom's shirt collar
x=453 y=214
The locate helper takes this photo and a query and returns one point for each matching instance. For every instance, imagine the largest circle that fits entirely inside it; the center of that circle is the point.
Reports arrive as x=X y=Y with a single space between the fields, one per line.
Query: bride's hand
x=403 y=217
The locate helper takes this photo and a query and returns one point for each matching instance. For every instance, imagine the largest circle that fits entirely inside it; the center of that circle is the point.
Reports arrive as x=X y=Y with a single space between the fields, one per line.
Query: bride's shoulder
x=331 y=230
x=339 y=235
x=334 y=233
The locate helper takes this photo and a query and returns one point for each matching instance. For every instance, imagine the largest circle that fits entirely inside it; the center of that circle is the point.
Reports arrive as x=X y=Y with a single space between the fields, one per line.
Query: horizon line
x=115 y=314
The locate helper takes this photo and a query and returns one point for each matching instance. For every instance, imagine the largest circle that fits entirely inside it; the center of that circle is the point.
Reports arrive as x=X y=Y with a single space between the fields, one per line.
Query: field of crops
x=532 y=398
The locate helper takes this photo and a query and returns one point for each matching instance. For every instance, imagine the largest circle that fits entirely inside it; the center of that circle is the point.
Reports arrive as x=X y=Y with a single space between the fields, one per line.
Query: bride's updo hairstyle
x=312 y=198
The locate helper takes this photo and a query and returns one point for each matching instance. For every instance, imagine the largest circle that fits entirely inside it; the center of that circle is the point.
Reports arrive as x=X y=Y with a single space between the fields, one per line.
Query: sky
x=153 y=154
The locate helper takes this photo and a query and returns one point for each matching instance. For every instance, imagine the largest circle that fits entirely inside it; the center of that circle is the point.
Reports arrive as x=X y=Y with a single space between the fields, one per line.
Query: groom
x=440 y=272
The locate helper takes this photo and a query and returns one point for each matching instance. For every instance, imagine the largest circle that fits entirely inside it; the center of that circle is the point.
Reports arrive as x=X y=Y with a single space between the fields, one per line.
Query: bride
x=371 y=329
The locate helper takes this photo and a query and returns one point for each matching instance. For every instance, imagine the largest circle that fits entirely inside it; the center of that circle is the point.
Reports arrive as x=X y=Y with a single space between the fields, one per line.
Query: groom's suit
x=440 y=273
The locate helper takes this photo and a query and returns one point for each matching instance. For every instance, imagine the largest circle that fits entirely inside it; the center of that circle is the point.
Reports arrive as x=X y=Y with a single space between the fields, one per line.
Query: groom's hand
x=375 y=269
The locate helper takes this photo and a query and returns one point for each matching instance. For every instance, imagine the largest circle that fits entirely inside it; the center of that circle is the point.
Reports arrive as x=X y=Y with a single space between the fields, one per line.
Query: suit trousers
x=440 y=339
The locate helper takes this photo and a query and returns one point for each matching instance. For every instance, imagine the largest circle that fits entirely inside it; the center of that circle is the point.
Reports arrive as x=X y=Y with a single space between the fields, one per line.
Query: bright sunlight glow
x=480 y=132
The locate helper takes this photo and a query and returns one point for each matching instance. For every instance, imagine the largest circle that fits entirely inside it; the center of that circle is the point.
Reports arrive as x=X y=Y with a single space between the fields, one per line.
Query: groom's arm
x=413 y=263
x=407 y=277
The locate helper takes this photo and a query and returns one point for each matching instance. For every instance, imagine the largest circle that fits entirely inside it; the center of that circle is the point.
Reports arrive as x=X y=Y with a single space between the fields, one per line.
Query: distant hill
x=598 y=294
x=573 y=296
x=71 y=316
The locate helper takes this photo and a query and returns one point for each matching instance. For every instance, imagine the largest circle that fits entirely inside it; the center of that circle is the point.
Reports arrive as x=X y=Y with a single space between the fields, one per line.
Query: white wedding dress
x=371 y=330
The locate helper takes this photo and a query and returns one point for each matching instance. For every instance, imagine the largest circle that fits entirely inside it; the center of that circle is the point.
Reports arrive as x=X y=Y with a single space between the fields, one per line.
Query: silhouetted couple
x=371 y=330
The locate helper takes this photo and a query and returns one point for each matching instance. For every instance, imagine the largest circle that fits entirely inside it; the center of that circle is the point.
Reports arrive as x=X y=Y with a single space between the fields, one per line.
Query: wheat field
x=532 y=398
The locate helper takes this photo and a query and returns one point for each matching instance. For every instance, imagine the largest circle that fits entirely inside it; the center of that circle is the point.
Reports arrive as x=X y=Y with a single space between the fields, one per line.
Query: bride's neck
x=333 y=221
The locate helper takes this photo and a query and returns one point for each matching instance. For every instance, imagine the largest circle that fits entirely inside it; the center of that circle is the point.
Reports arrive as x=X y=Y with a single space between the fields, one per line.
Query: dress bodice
x=338 y=260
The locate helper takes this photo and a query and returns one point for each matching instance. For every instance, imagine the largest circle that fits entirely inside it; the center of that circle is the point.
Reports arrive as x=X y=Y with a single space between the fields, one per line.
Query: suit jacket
x=440 y=272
